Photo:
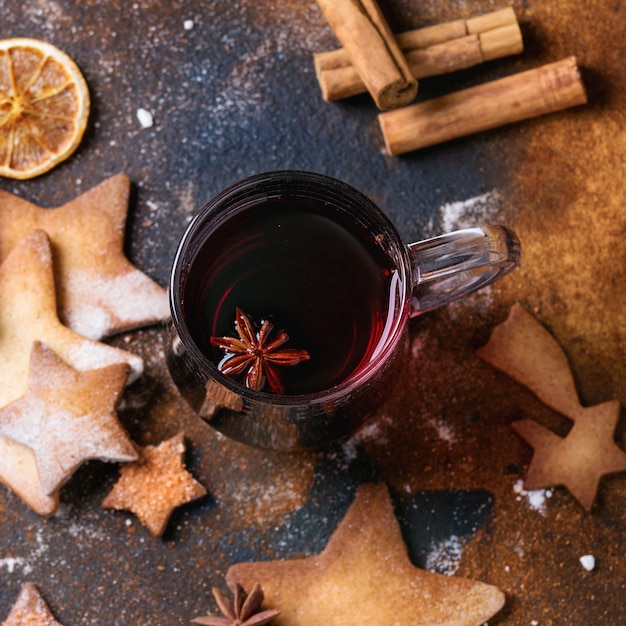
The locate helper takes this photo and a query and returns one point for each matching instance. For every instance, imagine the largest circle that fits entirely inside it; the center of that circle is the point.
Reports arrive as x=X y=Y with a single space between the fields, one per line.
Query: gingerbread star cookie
x=364 y=576
x=67 y=417
x=30 y=609
x=99 y=292
x=523 y=349
x=156 y=484
x=28 y=314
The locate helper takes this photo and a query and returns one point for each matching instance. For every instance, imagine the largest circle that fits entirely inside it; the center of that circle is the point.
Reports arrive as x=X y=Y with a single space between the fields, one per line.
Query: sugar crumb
x=145 y=118
x=588 y=561
x=536 y=498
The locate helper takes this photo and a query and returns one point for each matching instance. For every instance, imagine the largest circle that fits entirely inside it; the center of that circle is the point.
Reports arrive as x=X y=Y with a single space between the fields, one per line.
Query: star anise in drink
x=255 y=356
x=240 y=611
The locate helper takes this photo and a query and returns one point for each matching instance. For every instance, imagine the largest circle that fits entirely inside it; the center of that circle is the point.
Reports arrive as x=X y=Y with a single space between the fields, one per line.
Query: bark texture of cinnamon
x=535 y=92
x=429 y=51
x=372 y=50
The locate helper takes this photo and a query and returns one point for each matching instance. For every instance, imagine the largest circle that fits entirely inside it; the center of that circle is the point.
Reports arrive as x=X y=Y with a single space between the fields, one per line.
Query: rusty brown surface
x=235 y=95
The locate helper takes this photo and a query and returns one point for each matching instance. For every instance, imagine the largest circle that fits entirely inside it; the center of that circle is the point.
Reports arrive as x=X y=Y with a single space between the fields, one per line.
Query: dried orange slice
x=44 y=107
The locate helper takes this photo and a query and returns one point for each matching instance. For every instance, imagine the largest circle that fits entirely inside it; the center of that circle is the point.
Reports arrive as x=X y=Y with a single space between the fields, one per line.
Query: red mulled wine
x=311 y=269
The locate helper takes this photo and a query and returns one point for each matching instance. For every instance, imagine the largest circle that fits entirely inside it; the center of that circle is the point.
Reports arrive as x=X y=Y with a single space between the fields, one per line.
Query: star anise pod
x=255 y=356
x=240 y=611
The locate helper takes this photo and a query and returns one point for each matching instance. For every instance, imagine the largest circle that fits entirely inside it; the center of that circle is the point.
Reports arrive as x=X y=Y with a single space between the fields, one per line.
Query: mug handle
x=454 y=265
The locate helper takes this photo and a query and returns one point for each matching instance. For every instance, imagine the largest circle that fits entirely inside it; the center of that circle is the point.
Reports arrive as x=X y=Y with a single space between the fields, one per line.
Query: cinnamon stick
x=489 y=21
x=429 y=51
x=429 y=36
x=372 y=49
x=535 y=92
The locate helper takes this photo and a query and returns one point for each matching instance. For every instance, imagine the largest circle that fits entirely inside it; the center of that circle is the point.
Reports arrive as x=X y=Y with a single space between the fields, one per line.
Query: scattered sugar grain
x=444 y=431
x=188 y=24
x=145 y=118
x=10 y=563
x=445 y=556
x=588 y=561
x=467 y=213
x=368 y=432
x=350 y=450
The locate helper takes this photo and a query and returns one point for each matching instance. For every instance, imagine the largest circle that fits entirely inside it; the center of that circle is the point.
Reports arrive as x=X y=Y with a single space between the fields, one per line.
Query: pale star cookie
x=526 y=351
x=364 y=576
x=67 y=417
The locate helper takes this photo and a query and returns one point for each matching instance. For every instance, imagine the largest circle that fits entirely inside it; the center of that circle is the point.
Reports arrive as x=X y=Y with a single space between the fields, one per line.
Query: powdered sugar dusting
x=25 y=564
x=370 y=431
x=444 y=430
x=350 y=450
x=87 y=354
x=63 y=441
x=444 y=556
x=536 y=498
x=81 y=532
x=96 y=306
x=472 y=212
x=10 y=563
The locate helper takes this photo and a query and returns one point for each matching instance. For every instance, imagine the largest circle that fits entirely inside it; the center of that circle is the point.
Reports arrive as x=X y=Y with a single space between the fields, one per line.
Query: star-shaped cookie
x=364 y=576
x=578 y=461
x=67 y=417
x=522 y=348
x=156 y=484
x=28 y=314
x=99 y=292
x=30 y=609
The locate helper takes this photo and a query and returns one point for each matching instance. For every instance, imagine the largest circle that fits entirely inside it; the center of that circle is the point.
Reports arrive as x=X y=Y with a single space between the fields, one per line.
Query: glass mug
x=307 y=266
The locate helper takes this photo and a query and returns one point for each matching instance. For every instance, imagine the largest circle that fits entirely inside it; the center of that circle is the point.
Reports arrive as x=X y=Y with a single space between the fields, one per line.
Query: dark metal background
x=237 y=95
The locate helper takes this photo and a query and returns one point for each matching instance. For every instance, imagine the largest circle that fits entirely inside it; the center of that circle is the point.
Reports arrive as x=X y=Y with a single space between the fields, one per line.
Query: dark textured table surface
x=232 y=90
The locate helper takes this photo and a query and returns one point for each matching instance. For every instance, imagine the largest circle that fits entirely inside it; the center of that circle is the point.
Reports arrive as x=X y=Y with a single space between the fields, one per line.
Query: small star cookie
x=30 y=609
x=523 y=349
x=156 y=484
x=364 y=576
x=99 y=292
x=67 y=417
